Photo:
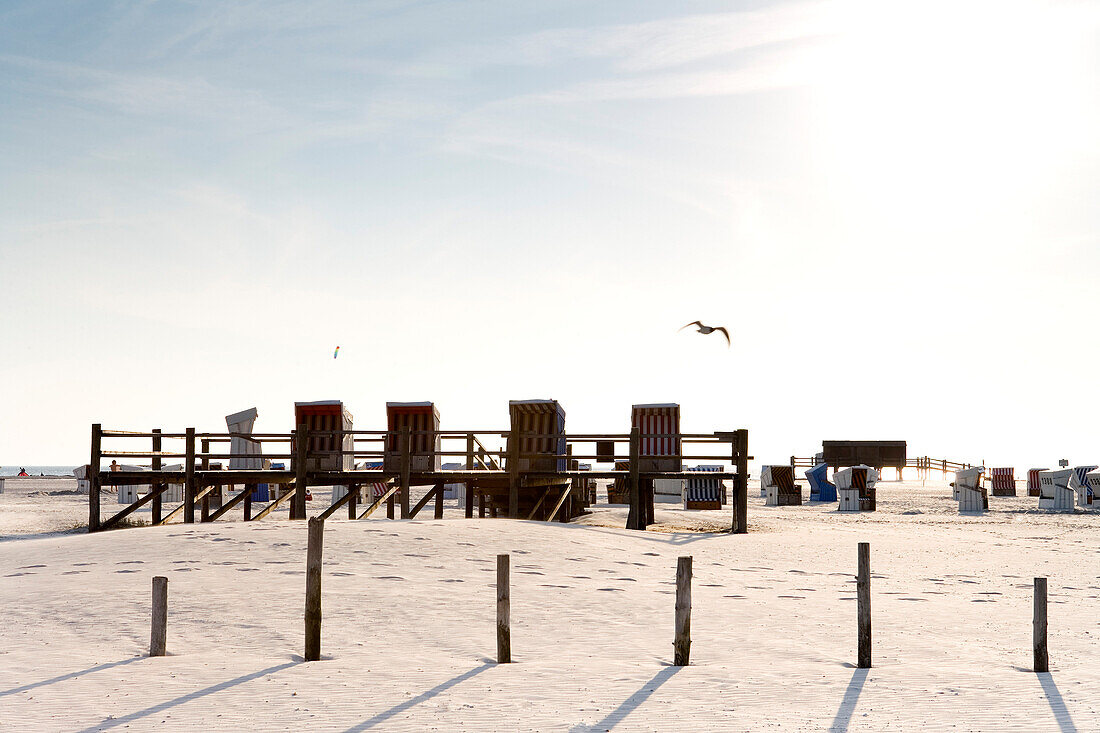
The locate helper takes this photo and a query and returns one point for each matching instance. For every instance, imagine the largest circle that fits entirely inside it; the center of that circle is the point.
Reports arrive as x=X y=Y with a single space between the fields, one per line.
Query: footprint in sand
x=246 y=570
x=411 y=554
x=531 y=572
x=120 y=562
x=711 y=585
x=292 y=572
x=388 y=577
x=342 y=575
x=82 y=564
x=913 y=599
x=28 y=567
x=618 y=589
x=127 y=571
x=654 y=554
x=797 y=598
x=73 y=572
x=547 y=585
x=451 y=580
x=733 y=596
x=16 y=575
x=220 y=539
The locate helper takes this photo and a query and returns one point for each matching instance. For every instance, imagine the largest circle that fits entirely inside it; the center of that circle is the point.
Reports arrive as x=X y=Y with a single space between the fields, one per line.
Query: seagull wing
x=724 y=333
x=693 y=323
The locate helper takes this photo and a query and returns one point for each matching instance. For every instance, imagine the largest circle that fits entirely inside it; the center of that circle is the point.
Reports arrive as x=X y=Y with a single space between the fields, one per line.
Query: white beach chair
x=765 y=479
x=129 y=493
x=972 y=496
x=855 y=489
x=83 y=485
x=455 y=490
x=1054 y=490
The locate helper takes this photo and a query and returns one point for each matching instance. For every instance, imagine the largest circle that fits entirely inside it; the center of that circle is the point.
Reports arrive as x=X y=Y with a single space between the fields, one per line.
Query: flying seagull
x=709 y=329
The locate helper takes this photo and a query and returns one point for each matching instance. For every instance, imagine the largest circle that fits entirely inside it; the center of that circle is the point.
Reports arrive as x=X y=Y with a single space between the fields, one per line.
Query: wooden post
x=204 y=515
x=741 y=483
x=681 y=645
x=1039 y=626
x=863 y=602
x=159 y=632
x=93 y=478
x=189 y=479
x=315 y=544
x=470 y=484
x=635 y=518
x=504 y=612
x=301 y=456
x=156 y=466
x=248 y=489
x=391 y=506
x=513 y=476
x=353 y=500
x=439 y=501
x=406 y=468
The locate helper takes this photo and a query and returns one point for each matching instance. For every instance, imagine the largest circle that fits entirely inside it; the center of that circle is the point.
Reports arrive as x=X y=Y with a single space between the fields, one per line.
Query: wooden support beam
x=189 y=480
x=425 y=499
x=345 y=499
x=244 y=496
x=273 y=505
x=545 y=493
x=93 y=478
x=204 y=507
x=406 y=467
x=387 y=497
x=564 y=495
x=353 y=500
x=513 y=477
x=151 y=496
x=469 y=484
x=298 y=507
x=741 y=483
x=156 y=466
x=438 y=509
x=175 y=512
x=635 y=518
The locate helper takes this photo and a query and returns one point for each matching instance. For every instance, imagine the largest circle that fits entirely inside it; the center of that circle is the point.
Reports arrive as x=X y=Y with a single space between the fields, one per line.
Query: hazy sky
x=891 y=205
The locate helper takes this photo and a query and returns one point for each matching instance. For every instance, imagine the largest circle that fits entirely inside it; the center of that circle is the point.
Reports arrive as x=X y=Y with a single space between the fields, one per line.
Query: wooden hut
x=337 y=451
x=422 y=420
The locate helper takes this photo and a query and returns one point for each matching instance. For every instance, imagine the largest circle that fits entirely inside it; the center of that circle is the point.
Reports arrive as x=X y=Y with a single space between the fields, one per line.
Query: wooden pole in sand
x=863 y=603
x=504 y=612
x=1039 y=626
x=93 y=478
x=159 y=631
x=189 y=478
x=681 y=645
x=314 y=545
x=156 y=466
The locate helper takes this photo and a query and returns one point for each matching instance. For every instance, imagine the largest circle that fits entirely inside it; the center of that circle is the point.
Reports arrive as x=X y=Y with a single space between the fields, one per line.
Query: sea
x=38 y=470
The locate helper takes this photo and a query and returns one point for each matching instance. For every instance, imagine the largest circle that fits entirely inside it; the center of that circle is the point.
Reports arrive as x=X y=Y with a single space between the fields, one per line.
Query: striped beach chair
x=1002 y=481
x=326 y=415
x=539 y=427
x=855 y=488
x=422 y=420
x=821 y=489
x=765 y=479
x=659 y=424
x=783 y=491
x=1033 y=481
x=1080 y=485
x=616 y=491
x=1092 y=479
x=704 y=492
x=972 y=495
x=1054 y=490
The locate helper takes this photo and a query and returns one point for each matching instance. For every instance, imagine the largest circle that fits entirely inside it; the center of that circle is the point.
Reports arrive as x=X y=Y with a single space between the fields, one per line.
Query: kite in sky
x=336 y=353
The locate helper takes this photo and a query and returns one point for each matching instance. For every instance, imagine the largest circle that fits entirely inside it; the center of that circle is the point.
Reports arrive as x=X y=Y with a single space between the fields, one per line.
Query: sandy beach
x=408 y=635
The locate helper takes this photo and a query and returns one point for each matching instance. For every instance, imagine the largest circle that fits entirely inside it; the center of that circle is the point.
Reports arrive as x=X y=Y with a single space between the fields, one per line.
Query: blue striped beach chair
x=1079 y=483
x=701 y=492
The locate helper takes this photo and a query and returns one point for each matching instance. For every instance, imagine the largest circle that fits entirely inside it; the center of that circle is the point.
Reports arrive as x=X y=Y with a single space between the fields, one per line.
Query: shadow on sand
x=631 y=704
x=412 y=702
x=69 y=676
x=848 y=703
x=1057 y=704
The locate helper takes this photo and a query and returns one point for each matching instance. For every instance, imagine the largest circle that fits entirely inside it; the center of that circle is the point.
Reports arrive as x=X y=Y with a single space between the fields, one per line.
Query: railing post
x=504 y=612
x=514 y=474
x=406 y=468
x=682 y=643
x=863 y=602
x=204 y=515
x=156 y=485
x=1039 y=627
x=635 y=518
x=469 y=484
x=314 y=547
x=741 y=483
x=189 y=478
x=301 y=457
x=93 y=478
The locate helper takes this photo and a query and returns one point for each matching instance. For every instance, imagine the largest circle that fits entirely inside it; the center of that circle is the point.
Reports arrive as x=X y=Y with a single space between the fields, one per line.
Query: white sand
x=409 y=632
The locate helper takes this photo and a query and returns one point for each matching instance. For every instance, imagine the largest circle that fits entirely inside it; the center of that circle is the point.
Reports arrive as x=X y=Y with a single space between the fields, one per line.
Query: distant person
x=115 y=466
x=22 y=471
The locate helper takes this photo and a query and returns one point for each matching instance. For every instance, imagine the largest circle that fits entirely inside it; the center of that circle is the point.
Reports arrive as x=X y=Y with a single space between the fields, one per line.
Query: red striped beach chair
x=1002 y=481
x=1033 y=488
x=660 y=445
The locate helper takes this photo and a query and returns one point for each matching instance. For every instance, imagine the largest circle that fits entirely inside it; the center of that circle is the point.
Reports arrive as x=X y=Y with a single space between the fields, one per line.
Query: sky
x=891 y=206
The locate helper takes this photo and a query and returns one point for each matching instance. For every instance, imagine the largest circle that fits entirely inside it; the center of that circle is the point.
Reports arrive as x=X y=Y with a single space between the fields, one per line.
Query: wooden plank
x=353 y=500
x=1039 y=627
x=545 y=493
x=245 y=495
x=93 y=478
x=504 y=612
x=438 y=509
x=741 y=483
x=387 y=497
x=159 y=627
x=514 y=477
x=469 y=484
x=425 y=499
x=345 y=499
x=314 y=546
x=189 y=481
x=564 y=495
x=635 y=518
x=204 y=506
x=681 y=644
x=156 y=465
x=863 y=601
x=153 y=494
